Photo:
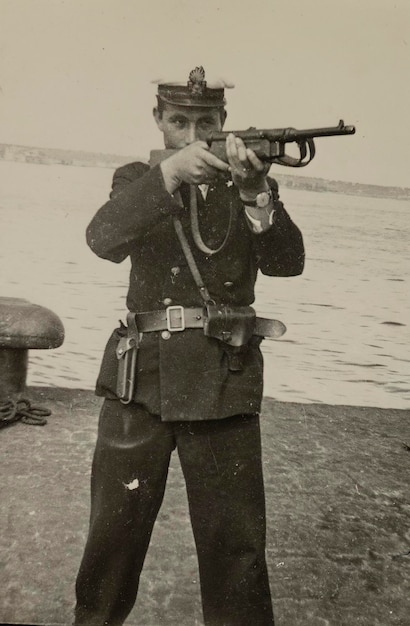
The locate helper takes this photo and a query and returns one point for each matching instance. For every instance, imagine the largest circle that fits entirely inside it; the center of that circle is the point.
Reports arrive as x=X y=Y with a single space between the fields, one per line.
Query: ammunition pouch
x=232 y=325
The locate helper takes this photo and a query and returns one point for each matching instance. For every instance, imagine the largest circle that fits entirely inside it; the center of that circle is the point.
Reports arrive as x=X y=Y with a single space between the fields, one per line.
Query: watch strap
x=254 y=203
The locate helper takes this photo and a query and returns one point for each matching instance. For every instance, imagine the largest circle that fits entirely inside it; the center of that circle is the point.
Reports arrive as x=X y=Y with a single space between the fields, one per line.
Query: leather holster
x=232 y=325
x=126 y=352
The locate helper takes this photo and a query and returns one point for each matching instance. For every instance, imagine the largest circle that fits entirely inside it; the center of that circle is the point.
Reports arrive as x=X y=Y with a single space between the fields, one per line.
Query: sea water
x=347 y=316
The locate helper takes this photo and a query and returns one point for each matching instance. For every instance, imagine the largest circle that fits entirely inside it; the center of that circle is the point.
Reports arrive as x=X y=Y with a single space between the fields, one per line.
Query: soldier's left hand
x=247 y=171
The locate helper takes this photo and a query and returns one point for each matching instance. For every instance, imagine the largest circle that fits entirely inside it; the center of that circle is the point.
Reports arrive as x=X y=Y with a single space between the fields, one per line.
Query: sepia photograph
x=204 y=313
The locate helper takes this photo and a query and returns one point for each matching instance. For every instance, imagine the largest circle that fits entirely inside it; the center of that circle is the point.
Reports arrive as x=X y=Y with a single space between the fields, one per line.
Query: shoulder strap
x=203 y=290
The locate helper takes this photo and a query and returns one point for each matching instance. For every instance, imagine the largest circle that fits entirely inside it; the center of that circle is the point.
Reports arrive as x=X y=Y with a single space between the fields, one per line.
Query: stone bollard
x=23 y=326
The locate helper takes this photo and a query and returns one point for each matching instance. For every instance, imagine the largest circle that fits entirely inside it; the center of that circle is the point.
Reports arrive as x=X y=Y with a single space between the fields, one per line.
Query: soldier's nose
x=191 y=134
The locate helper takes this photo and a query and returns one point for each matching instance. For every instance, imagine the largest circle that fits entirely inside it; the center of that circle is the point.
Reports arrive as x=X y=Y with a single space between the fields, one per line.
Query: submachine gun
x=269 y=145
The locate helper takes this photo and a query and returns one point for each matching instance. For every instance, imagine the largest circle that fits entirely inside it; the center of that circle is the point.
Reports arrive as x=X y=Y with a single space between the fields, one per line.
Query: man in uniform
x=195 y=382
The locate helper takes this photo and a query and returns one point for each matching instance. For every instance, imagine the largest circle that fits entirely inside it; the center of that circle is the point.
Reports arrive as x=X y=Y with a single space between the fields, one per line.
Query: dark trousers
x=221 y=463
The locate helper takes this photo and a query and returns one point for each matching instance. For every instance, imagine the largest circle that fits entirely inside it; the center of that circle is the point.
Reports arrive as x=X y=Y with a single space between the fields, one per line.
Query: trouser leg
x=129 y=473
x=221 y=461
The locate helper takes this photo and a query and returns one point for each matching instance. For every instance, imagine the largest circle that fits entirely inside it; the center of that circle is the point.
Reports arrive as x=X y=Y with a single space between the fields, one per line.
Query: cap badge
x=197 y=83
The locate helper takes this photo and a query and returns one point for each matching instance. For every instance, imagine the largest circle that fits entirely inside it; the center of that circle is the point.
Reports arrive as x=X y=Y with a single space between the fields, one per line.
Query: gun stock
x=268 y=144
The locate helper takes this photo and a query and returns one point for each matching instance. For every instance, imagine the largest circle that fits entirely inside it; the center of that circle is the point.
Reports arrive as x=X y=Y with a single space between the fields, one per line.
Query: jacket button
x=228 y=284
x=165 y=334
x=167 y=301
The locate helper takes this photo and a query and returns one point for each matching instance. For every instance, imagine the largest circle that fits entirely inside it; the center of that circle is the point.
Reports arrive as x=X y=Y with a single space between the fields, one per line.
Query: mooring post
x=23 y=326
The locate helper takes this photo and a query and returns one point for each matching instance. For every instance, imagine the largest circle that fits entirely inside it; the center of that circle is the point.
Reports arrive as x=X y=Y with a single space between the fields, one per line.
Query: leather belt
x=178 y=318
x=173 y=318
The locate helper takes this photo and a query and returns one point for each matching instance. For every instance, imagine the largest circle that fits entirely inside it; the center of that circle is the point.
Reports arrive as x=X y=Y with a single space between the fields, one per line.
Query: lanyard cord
x=203 y=290
x=196 y=234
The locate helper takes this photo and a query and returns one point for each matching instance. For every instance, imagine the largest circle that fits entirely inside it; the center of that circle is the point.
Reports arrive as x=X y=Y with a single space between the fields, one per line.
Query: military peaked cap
x=196 y=91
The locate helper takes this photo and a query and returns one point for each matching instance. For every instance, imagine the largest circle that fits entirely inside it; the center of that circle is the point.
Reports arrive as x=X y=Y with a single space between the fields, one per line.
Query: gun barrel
x=284 y=135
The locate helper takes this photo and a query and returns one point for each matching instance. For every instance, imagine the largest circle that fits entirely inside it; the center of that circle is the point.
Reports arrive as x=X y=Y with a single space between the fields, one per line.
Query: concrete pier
x=338 y=504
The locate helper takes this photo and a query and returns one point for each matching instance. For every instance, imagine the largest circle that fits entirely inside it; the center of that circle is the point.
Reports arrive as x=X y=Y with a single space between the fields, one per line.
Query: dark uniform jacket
x=189 y=376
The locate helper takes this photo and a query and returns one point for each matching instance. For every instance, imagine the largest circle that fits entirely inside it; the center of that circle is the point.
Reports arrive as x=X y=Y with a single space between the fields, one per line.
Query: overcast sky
x=76 y=74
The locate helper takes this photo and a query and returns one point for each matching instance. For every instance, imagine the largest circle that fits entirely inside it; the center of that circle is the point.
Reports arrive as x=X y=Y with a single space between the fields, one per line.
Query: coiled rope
x=22 y=410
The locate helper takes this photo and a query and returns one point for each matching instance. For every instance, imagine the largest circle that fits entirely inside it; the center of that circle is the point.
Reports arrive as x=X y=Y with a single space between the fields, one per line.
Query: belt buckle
x=178 y=324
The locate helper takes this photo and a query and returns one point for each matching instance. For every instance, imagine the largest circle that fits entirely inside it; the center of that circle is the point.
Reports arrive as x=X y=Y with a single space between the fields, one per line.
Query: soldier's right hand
x=194 y=164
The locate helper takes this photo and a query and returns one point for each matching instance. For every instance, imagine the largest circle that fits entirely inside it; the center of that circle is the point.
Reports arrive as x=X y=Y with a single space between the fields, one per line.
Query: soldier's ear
x=157 y=117
x=224 y=115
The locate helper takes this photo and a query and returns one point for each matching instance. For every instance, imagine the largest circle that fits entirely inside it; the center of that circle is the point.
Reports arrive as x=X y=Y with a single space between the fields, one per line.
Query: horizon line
x=116 y=160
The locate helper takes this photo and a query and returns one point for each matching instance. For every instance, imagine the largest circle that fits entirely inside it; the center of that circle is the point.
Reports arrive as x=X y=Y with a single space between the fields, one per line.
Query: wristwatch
x=261 y=201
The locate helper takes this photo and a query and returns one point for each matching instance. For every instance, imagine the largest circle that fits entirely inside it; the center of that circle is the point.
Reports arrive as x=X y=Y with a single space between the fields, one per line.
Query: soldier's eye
x=207 y=124
x=179 y=122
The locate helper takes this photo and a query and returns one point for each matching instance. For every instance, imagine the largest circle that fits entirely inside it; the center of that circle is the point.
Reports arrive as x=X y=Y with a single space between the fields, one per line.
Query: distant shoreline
x=77 y=158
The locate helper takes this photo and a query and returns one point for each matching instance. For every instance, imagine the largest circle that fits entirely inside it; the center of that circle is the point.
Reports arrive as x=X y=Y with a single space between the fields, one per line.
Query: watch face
x=263 y=199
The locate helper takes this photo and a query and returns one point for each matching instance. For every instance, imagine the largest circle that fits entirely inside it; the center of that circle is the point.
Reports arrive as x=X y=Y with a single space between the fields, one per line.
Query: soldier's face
x=182 y=126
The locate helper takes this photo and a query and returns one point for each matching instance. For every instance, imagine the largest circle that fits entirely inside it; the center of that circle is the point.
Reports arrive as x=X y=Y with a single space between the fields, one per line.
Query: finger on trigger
x=213 y=161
